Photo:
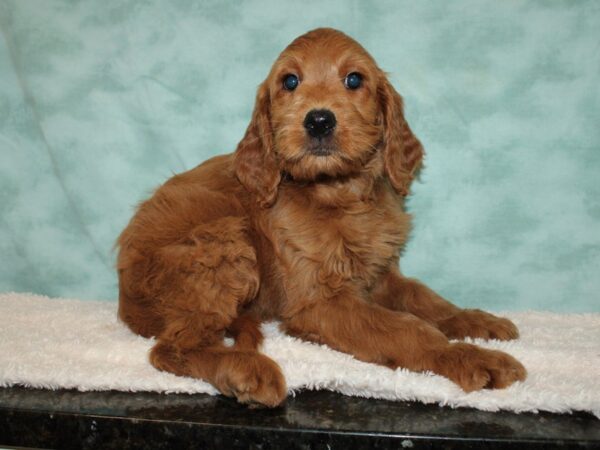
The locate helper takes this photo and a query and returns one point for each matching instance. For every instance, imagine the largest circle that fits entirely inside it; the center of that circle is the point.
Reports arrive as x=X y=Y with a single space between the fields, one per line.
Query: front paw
x=474 y=368
x=251 y=377
x=475 y=323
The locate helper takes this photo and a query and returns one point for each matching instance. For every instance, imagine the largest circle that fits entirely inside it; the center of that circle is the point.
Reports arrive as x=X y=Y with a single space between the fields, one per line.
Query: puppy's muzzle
x=319 y=123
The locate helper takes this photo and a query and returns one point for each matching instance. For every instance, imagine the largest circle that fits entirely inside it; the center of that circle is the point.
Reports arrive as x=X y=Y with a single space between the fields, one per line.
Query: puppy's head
x=326 y=111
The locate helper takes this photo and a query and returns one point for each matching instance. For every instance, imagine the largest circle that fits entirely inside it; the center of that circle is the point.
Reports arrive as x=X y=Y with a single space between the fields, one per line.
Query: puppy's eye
x=353 y=80
x=290 y=82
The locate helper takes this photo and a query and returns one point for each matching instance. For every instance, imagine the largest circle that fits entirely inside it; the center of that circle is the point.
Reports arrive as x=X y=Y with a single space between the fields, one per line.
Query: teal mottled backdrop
x=102 y=101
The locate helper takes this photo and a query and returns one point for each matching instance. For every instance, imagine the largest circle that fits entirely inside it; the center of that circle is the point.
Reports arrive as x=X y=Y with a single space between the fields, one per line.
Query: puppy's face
x=325 y=114
x=326 y=111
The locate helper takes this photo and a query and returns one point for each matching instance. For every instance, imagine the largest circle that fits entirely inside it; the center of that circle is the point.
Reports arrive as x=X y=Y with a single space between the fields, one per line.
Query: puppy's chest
x=334 y=247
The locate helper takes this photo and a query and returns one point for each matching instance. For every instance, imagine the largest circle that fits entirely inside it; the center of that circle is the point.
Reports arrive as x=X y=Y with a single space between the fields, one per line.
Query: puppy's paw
x=252 y=378
x=475 y=323
x=474 y=368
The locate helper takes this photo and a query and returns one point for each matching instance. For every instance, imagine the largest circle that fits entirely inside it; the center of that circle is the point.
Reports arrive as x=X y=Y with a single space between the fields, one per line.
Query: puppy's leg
x=374 y=334
x=251 y=377
x=245 y=329
x=205 y=281
x=404 y=294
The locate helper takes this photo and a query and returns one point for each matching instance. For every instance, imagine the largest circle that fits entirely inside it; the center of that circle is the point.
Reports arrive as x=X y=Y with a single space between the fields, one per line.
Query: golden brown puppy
x=304 y=223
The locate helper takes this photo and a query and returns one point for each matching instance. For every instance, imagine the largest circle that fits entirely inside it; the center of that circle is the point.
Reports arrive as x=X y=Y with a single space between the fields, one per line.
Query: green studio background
x=100 y=102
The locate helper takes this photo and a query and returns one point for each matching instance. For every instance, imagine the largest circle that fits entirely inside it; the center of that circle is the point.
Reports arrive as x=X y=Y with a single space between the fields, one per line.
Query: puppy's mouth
x=321 y=146
x=321 y=151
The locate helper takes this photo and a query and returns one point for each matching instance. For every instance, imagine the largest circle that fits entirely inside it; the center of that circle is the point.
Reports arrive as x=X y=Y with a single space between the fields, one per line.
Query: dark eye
x=353 y=80
x=290 y=82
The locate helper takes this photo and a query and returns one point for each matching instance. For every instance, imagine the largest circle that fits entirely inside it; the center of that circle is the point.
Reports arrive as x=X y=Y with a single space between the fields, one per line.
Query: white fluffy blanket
x=75 y=344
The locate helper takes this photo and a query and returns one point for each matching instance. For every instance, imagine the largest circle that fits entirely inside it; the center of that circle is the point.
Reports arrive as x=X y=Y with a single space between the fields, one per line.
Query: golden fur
x=275 y=231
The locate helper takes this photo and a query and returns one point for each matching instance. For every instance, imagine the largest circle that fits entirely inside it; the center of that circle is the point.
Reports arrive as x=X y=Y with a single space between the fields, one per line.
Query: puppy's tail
x=245 y=329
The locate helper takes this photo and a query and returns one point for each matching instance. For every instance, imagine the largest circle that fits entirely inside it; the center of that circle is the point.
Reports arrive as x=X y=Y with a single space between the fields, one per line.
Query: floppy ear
x=254 y=161
x=402 y=151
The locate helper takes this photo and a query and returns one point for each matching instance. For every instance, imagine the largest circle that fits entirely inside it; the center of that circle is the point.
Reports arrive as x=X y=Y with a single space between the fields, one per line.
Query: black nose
x=319 y=122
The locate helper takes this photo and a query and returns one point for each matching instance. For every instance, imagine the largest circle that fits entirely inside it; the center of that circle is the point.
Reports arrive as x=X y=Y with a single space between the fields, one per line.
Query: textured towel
x=75 y=344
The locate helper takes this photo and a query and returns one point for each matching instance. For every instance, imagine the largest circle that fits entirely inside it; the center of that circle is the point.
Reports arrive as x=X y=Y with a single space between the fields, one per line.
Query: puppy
x=303 y=223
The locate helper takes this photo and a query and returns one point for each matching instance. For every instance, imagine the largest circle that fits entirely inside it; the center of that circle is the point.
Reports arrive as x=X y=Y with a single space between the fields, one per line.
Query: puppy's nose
x=319 y=122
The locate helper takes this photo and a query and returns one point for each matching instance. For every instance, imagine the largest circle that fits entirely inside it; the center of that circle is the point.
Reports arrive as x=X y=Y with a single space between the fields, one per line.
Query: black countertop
x=319 y=420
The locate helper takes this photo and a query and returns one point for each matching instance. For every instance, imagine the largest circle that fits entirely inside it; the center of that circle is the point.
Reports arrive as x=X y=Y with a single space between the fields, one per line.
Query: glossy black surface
x=69 y=419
